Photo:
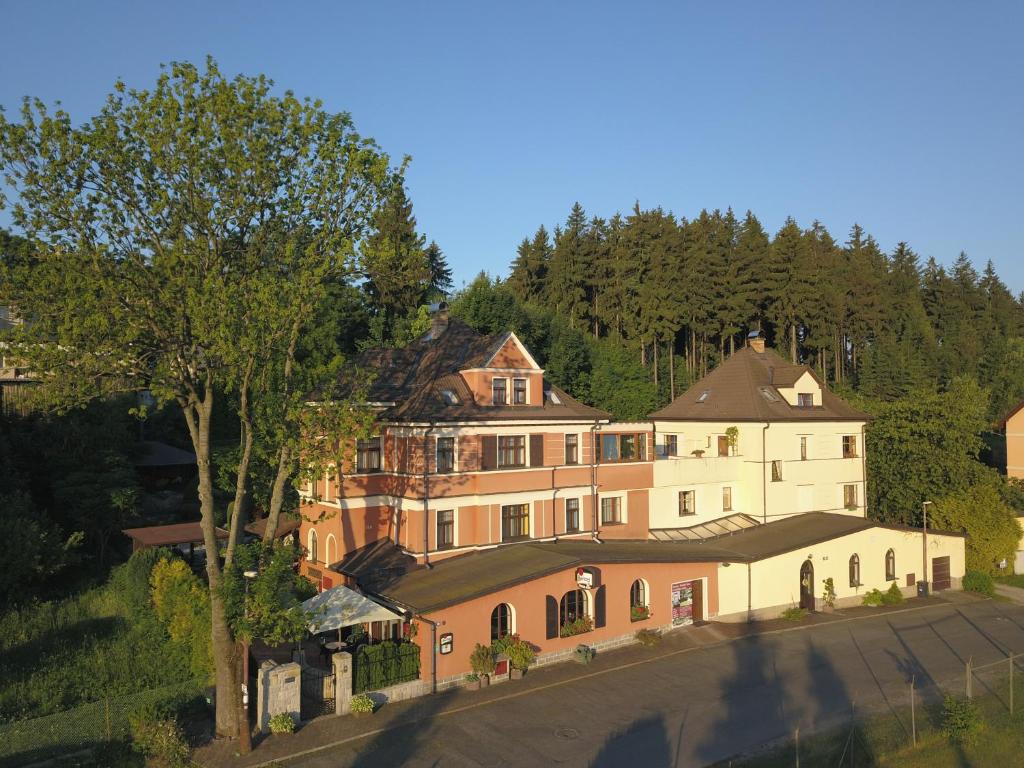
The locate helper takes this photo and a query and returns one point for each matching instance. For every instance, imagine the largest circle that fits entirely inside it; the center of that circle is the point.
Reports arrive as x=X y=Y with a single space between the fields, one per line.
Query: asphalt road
x=698 y=707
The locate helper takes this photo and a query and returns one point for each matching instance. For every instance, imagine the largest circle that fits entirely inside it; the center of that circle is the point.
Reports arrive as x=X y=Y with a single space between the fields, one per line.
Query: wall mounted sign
x=682 y=603
x=584 y=578
x=447 y=643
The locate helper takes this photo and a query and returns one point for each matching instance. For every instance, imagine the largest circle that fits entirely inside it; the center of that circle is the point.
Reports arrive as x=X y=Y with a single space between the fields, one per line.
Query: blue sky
x=907 y=117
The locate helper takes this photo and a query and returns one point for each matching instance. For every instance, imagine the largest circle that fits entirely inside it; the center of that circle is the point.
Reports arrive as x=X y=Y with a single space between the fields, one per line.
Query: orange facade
x=470 y=622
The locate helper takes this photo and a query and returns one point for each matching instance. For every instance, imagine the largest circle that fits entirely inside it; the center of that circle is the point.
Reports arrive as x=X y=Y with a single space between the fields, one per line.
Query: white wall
x=748 y=472
x=775 y=581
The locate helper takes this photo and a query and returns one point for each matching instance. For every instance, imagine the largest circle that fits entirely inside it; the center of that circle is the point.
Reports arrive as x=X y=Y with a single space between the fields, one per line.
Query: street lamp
x=244 y=734
x=924 y=542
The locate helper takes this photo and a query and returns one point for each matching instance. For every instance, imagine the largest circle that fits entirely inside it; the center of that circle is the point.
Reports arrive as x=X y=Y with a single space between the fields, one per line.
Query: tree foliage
x=993 y=532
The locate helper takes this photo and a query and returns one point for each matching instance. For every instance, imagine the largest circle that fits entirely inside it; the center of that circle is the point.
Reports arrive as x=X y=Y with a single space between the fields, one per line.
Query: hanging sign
x=584 y=578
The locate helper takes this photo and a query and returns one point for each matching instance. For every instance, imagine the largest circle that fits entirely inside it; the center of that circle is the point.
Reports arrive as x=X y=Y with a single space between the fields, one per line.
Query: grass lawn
x=884 y=740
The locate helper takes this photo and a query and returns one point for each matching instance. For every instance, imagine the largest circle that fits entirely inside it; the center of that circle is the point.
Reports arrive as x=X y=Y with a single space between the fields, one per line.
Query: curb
x=598 y=673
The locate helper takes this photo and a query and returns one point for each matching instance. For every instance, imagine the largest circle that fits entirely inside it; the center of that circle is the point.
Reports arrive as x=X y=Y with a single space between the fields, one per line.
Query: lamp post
x=244 y=733
x=924 y=542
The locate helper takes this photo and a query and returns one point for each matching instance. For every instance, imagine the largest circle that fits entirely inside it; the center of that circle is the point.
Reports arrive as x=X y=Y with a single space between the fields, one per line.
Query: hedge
x=388 y=663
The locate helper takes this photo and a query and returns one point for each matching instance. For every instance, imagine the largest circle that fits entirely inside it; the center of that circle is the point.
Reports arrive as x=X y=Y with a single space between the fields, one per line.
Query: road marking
x=598 y=673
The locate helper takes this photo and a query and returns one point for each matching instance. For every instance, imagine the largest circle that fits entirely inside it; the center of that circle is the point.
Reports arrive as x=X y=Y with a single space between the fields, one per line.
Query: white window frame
x=526 y=390
x=679 y=498
x=455 y=453
x=579 y=514
x=507 y=394
x=732 y=501
x=455 y=529
x=623 y=511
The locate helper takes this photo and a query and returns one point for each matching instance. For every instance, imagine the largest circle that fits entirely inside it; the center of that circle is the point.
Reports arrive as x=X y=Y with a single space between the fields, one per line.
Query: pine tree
x=439 y=280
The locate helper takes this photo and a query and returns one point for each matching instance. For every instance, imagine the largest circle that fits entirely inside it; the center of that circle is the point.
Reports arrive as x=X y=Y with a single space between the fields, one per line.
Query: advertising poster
x=682 y=603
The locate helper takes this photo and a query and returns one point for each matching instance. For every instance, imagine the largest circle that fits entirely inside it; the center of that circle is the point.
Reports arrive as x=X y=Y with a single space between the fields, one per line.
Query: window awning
x=342 y=607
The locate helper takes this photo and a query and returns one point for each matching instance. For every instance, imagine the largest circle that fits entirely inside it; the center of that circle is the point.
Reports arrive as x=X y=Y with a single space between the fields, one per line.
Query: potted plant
x=829 y=595
x=282 y=723
x=482 y=662
x=699 y=453
x=473 y=681
x=733 y=435
x=520 y=655
x=361 y=705
x=639 y=613
x=583 y=654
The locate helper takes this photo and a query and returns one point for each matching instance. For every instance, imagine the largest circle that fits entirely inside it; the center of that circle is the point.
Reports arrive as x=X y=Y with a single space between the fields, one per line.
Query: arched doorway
x=807 y=585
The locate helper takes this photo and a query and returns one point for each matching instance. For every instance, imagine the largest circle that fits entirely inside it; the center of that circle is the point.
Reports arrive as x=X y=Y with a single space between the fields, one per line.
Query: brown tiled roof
x=467 y=577
x=169 y=535
x=414 y=378
x=745 y=388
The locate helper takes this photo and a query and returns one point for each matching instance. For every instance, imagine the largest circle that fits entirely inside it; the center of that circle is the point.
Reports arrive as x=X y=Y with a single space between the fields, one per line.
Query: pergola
x=169 y=536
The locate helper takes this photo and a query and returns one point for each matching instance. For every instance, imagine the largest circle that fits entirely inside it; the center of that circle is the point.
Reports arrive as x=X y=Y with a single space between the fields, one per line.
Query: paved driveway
x=699 y=704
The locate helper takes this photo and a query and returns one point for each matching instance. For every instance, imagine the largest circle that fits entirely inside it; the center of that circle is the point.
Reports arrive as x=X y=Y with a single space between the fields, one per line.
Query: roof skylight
x=767 y=394
x=450 y=397
x=703 y=396
x=552 y=397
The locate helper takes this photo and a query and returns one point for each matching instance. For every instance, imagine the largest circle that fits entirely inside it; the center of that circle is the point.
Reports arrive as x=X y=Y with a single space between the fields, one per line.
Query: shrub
x=282 y=722
x=383 y=664
x=982 y=583
x=648 y=637
x=160 y=740
x=577 y=627
x=874 y=597
x=794 y=614
x=481 y=660
x=893 y=595
x=182 y=603
x=361 y=704
x=583 y=654
x=961 y=720
x=829 y=595
x=520 y=654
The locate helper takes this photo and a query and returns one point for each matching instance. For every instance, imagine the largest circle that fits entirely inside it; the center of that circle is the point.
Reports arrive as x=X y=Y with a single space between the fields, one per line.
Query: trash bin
x=922 y=589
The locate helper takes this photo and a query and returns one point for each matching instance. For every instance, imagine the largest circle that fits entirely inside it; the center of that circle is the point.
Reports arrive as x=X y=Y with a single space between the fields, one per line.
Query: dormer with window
x=805 y=392
x=508 y=378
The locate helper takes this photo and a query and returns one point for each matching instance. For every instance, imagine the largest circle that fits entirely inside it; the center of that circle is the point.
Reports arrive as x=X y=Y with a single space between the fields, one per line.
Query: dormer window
x=805 y=400
x=449 y=397
x=499 y=391
x=703 y=396
x=518 y=391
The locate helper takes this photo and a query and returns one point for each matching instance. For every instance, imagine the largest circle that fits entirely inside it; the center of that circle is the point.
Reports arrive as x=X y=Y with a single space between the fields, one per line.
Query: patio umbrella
x=342 y=607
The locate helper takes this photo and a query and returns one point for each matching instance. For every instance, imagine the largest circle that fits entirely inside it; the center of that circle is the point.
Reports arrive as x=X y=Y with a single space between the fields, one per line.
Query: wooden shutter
x=599 y=608
x=551 y=606
x=489 y=452
x=536 y=450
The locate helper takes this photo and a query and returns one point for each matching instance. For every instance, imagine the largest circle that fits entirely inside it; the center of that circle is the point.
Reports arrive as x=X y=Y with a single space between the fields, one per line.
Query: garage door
x=940 y=573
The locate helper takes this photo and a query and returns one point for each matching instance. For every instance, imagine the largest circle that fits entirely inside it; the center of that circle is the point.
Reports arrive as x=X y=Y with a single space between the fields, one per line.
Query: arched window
x=855 y=571
x=311 y=549
x=890 y=566
x=330 y=549
x=638 y=608
x=502 y=622
x=572 y=607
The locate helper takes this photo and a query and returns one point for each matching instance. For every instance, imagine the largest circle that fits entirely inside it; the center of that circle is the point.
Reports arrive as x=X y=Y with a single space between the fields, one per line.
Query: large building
x=492 y=502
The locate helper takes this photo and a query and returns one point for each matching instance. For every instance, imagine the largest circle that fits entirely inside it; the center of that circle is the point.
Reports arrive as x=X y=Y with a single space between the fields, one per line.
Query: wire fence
x=26 y=741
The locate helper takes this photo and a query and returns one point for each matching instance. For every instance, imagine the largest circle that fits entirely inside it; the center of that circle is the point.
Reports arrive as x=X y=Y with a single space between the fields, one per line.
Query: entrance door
x=807 y=585
x=940 y=573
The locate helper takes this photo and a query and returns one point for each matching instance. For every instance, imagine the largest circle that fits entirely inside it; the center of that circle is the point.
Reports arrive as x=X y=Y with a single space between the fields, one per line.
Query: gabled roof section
x=509 y=352
x=745 y=388
x=1013 y=412
x=415 y=381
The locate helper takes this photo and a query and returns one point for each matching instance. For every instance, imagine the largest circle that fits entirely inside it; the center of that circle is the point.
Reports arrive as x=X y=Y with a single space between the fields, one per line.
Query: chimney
x=756 y=341
x=438 y=319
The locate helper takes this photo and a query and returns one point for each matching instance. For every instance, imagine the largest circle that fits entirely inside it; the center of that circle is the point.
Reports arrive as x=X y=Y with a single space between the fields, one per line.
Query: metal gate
x=940 y=573
x=317 y=693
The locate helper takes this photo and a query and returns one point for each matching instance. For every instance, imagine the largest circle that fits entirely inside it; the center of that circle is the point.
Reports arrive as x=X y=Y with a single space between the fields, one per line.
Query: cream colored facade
x=810 y=472
x=765 y=588
x=1015 y=443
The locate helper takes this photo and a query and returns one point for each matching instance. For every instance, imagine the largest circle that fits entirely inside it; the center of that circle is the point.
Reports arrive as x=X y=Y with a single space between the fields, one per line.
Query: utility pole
x=924 y=543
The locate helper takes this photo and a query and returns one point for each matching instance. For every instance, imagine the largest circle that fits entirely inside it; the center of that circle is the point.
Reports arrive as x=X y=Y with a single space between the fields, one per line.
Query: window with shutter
x=489 y=452
x=551 y=617
x=536 y=450
x=599 y=607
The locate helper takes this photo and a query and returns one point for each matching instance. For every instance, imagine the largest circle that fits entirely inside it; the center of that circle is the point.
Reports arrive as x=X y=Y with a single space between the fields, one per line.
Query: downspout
x=433 y=651
x=750 y=602
x=864 y=464
x=426 y=495
x=593 y=481
x=554 y=515
x=764 y=472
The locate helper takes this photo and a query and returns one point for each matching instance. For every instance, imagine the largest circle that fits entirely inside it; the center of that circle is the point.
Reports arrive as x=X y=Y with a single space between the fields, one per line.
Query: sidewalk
x=329 y=731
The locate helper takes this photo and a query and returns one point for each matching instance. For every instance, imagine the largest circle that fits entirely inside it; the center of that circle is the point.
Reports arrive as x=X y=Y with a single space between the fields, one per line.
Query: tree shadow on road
x=644 y=743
